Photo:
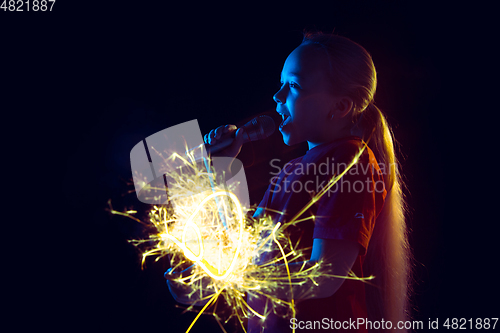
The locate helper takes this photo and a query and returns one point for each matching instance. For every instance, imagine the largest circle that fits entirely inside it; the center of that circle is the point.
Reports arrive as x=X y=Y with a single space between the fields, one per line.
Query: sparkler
x=208 y=226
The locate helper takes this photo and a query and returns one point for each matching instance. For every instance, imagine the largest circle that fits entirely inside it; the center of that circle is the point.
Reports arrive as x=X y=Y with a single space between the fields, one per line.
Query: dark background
x=88 y=81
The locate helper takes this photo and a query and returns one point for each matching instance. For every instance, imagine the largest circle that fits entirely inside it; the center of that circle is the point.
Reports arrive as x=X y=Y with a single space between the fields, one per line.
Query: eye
x=291 y=85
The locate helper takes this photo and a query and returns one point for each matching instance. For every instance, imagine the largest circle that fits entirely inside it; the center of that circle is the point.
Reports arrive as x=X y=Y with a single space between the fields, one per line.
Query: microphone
x=258 y=128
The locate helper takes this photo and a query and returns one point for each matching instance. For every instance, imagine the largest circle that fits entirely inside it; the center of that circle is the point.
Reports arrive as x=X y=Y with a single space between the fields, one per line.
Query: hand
x=183 y=292
x=215 y=135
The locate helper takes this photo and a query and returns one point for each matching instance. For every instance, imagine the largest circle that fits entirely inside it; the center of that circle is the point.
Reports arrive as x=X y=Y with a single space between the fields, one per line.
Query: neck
x=334 y=135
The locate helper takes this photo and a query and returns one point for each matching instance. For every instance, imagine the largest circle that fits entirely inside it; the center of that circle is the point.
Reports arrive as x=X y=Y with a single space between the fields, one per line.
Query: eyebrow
x=297 y=75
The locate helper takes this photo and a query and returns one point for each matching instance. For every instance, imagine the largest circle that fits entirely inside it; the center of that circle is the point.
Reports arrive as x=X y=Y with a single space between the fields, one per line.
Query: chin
x=288 y=139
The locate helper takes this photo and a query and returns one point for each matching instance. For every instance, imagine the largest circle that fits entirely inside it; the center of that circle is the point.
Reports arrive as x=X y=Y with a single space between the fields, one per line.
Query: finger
x=205 y=138
x=188 y=270
x=240 y=136
x=229 y=128
x=170 y=274
x=218 y=131
x=211 y=136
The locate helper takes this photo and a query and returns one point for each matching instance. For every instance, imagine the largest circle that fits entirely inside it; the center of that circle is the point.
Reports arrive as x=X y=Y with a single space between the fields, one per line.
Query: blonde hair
x=388 y=255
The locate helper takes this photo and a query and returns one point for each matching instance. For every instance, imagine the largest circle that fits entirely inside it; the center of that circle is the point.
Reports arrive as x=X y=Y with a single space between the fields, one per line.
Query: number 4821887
x=27 y=5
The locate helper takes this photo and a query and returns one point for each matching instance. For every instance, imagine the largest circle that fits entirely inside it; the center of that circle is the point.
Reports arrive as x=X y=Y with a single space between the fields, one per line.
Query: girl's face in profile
x=305 y=99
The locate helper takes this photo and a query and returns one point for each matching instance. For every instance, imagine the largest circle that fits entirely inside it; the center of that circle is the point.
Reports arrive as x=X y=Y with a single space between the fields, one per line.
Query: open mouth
x=286 y=120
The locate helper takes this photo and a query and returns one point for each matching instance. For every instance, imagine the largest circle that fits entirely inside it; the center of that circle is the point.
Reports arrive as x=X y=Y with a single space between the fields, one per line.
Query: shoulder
x=348 y=149
x=341 y=151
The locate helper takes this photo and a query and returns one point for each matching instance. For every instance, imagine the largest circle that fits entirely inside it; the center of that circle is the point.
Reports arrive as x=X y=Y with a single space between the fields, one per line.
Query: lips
x=286 y=119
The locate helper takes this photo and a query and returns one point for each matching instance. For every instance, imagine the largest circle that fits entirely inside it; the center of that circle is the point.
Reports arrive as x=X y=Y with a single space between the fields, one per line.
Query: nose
x=279 y=97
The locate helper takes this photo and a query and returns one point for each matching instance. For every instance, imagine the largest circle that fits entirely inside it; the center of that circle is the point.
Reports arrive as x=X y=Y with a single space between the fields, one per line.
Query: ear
x=342 y=107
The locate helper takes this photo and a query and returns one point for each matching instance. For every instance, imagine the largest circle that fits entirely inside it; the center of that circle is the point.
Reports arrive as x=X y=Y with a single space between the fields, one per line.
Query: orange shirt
x=347 y=211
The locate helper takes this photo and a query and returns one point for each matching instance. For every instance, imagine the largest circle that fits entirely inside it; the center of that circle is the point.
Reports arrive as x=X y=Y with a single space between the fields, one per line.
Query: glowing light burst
x=206 y=225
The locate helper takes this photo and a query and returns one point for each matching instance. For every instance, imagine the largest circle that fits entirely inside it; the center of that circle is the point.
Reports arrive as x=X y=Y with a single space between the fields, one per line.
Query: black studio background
x=89 y=80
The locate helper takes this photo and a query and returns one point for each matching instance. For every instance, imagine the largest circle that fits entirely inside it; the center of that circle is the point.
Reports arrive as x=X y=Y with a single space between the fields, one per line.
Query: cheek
x=316 y=106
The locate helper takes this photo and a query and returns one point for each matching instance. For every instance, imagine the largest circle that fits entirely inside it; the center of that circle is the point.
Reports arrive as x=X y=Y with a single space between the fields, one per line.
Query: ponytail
x=388 y=254
x=373 y=128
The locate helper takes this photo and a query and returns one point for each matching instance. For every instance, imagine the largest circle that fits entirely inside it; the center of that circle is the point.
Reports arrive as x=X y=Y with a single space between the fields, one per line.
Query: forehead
x=306 y=61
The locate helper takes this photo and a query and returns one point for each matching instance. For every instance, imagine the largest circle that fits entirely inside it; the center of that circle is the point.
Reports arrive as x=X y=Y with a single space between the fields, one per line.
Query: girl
x=326 y=98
